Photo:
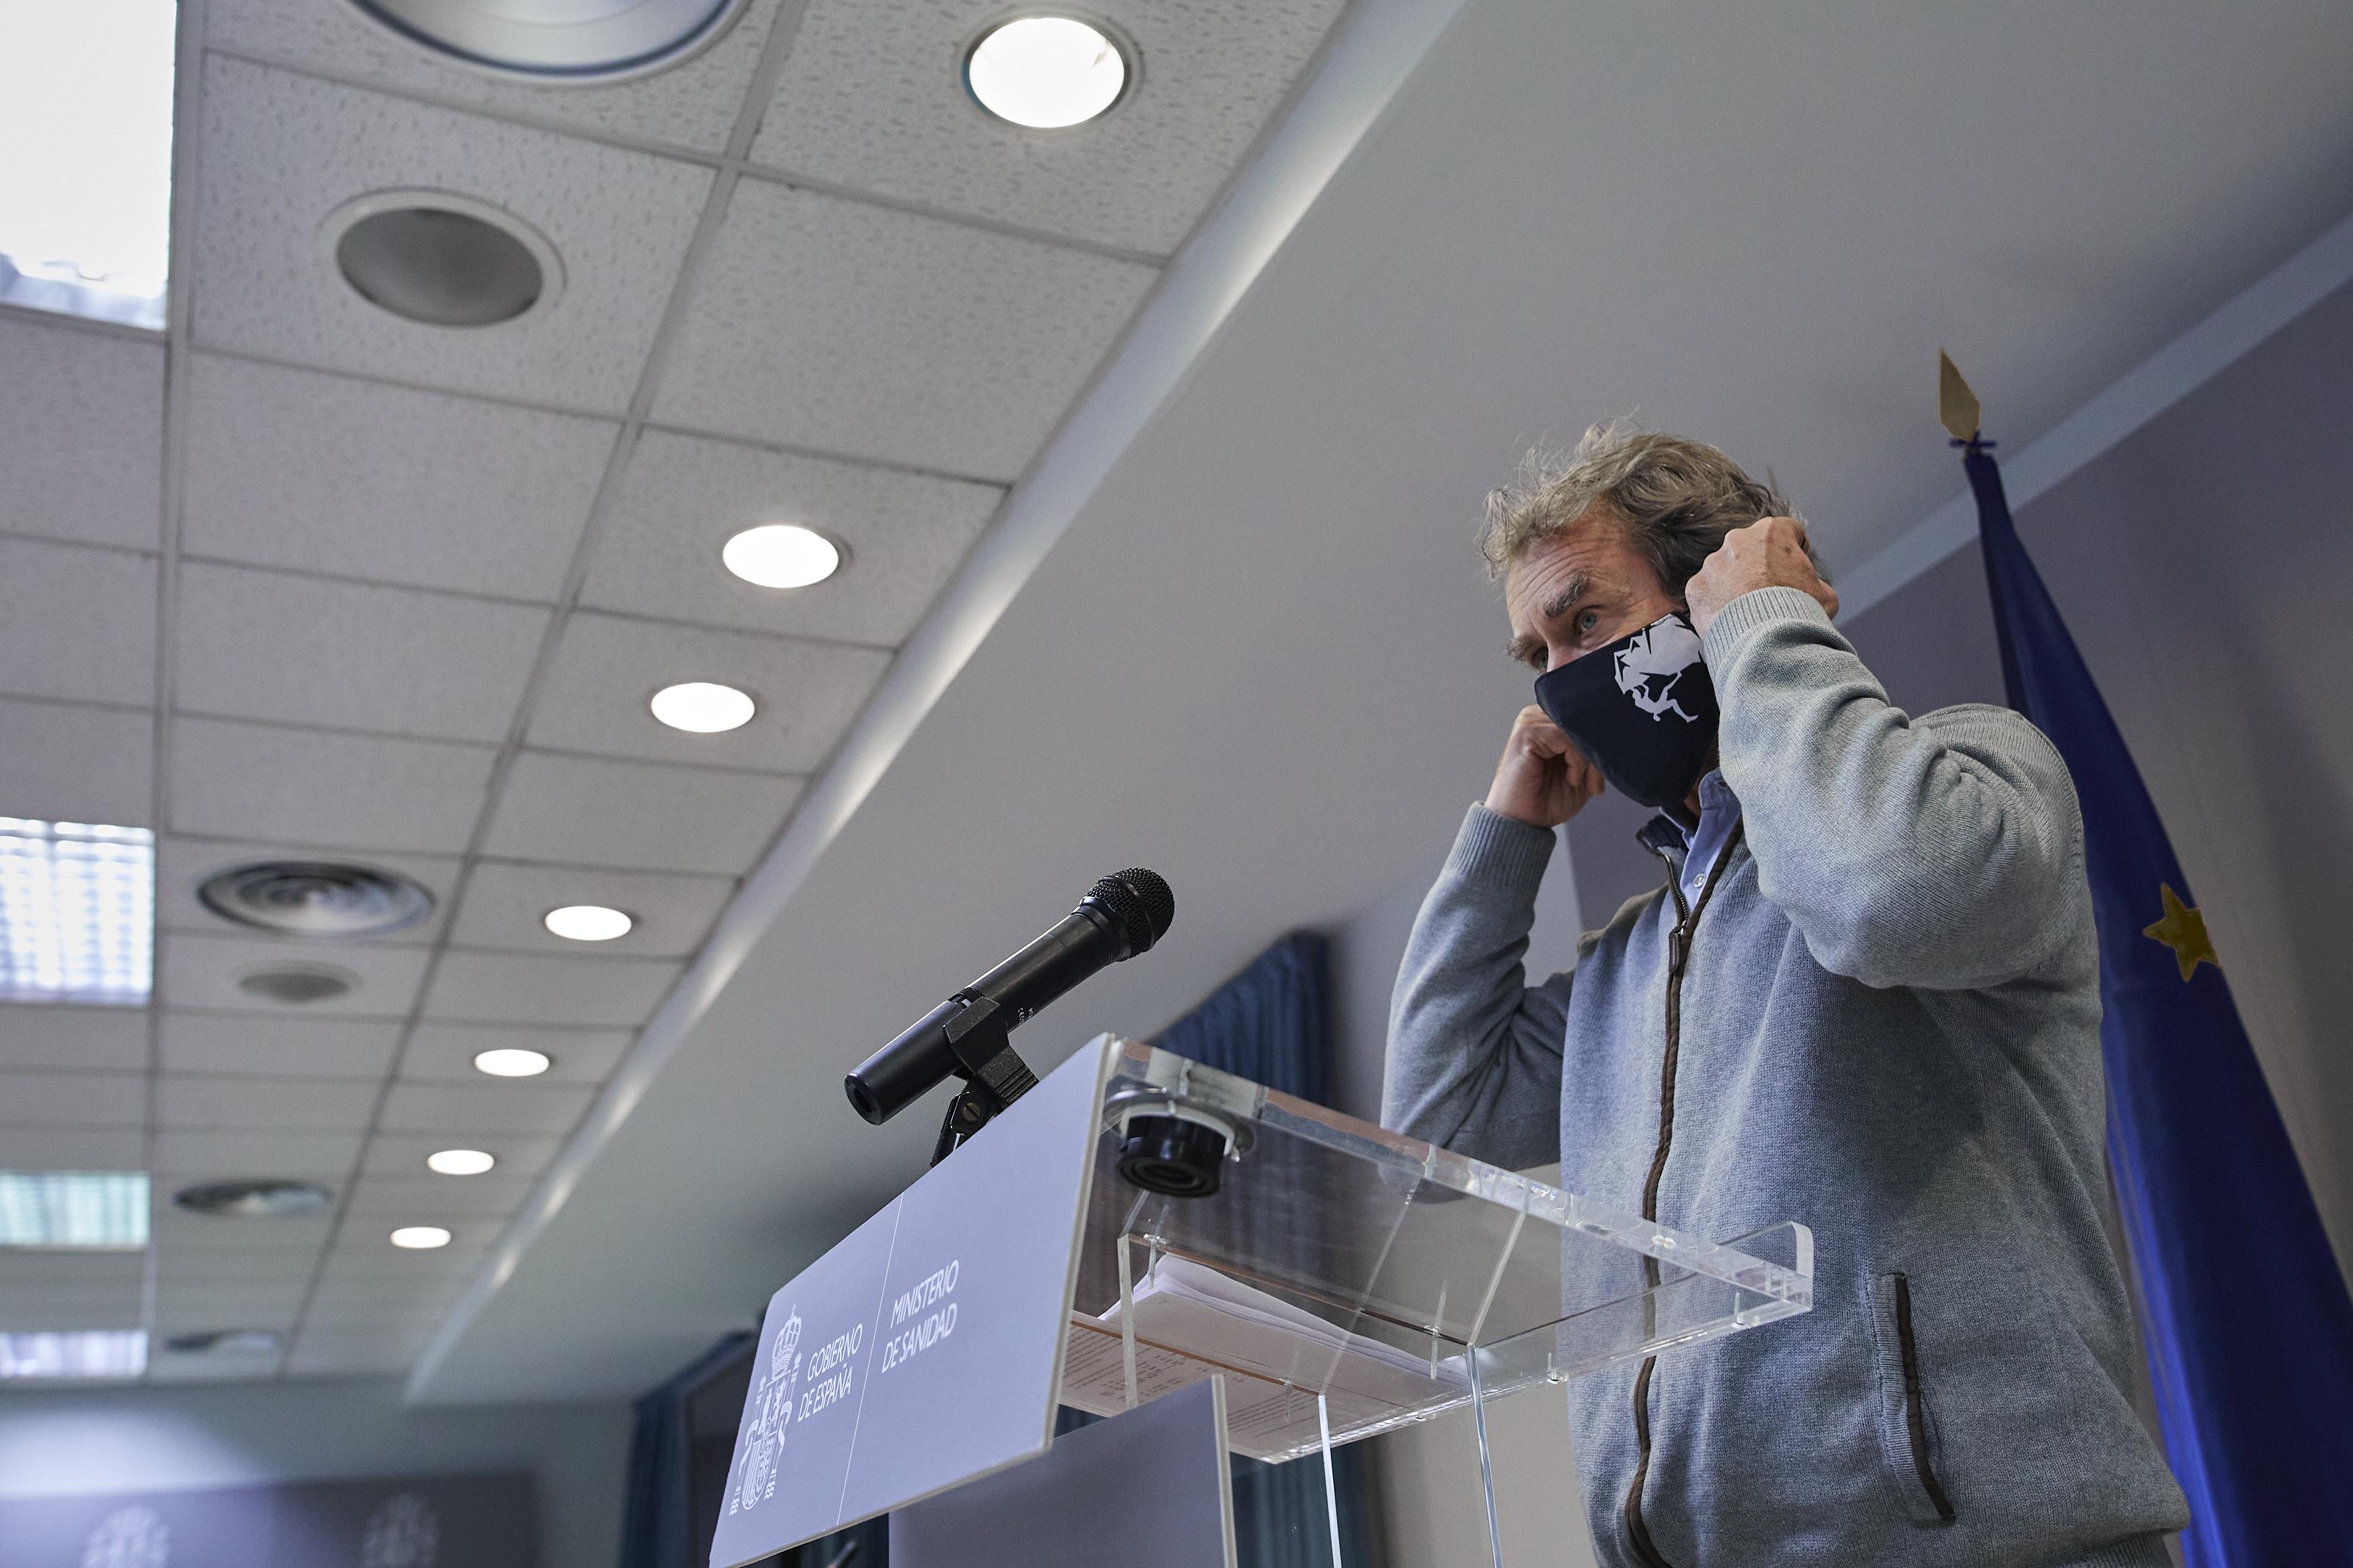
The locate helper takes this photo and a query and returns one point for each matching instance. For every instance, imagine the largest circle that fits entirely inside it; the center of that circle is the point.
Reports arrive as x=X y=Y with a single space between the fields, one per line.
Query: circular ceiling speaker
x=297 y=984
x=265 y=1198
x=328 y=900
x=442 y=259
x=225 y=1341
x=559 y=40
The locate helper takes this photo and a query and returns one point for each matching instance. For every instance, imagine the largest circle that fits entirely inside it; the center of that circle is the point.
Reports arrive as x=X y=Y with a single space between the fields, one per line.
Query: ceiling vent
x=322 y=898
x=442 y=259
x=226 y=1341
x=560 y=40
x=297 y=984
x=267 y=1198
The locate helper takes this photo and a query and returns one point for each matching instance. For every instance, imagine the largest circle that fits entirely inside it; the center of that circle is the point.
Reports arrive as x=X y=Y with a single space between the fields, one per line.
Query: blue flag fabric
x=2247 y=1322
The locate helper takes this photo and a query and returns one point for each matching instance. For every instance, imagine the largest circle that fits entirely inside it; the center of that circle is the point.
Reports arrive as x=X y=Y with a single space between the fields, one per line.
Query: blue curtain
x=1272 y=1024
x=658 y=1525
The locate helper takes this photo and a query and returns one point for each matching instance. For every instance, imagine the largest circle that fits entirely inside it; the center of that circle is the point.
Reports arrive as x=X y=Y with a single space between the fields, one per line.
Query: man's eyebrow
x=1579 y=583
x=1525 y=648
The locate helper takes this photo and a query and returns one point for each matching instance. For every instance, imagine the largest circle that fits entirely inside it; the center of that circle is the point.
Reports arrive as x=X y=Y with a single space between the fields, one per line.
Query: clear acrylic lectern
x=1340 y=1280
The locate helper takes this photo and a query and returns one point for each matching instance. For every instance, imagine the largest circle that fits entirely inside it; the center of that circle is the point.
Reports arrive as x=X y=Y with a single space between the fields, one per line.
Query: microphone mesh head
x=1139 y=903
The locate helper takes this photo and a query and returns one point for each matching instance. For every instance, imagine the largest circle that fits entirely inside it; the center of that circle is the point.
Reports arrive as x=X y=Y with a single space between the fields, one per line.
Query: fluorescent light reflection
x=86 y=156
x=420 y=1237
x=104 y=1209
x=89 y=1352
x=459 y=1161
x=1046 y=72
x=77 y=912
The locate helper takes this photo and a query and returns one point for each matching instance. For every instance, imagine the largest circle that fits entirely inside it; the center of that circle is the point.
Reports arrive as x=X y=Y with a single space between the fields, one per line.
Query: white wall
x=1433 y=1510
x=61 y=1442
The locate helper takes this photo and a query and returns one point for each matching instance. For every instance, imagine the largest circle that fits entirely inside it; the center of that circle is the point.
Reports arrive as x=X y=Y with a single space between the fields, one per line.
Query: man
x=1867 y=999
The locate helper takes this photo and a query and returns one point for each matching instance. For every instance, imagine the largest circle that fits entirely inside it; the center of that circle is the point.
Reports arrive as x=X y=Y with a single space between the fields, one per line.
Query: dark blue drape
x=2249 y=1329
x=658 y=1524
x=1272 y=1024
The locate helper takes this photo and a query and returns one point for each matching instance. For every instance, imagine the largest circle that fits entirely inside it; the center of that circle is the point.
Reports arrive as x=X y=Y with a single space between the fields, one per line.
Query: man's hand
x=1543 y=780
x=1768 y=553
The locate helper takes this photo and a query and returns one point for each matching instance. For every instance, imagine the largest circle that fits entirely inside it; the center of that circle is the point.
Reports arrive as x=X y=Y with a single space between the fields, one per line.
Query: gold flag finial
x=1956 y=405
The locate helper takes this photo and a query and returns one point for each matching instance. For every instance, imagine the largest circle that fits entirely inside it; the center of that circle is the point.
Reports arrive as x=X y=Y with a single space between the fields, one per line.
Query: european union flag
x=2249 y=1328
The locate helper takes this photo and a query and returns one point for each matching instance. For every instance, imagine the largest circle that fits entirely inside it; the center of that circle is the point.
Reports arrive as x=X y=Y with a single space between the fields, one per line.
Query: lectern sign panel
x=922 y=1350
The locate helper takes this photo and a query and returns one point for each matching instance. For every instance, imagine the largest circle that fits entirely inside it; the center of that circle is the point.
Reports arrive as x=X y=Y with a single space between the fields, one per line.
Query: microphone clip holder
x=979 y=1037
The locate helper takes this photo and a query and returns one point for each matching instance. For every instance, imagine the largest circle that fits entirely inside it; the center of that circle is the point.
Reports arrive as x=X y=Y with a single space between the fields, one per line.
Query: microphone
x=965 y=1036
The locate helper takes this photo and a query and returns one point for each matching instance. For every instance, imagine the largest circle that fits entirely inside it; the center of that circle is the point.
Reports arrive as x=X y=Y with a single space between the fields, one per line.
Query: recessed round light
x=261 y=1199
x=442 y=259
x=704 y=707
x=588 y=922
x=322 y=898
x=780 y=555
x=514 y=1061
x=558 y=40
x=1046 y=72
x=459 y=1161
x=420 y=1237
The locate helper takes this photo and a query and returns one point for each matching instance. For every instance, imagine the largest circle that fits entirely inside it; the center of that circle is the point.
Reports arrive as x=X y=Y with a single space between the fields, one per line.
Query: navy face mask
x=1643 y=710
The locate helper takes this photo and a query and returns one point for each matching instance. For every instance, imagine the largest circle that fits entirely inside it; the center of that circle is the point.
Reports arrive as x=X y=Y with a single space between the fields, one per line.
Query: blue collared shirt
x=1719 y=814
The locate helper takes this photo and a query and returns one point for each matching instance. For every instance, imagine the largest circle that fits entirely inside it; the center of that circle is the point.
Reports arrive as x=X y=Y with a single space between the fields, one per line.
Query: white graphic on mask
x=1651 y=667
x=129 y=1538
x=767 y=1413
x=403 y=1533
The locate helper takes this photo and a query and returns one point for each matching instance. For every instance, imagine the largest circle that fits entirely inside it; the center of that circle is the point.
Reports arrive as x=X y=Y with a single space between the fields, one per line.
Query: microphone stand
x=979 y=1036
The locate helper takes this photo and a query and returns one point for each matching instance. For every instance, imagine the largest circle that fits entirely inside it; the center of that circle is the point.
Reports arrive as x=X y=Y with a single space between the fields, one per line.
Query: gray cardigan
x=1889 y=1030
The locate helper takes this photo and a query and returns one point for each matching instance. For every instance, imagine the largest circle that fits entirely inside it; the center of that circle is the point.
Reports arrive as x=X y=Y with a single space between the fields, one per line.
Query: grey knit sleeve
x=1474 y=1058
x=1942 y=852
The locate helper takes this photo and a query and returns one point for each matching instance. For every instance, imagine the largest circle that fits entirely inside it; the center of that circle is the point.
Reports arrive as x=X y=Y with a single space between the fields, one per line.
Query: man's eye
x=1587 y=620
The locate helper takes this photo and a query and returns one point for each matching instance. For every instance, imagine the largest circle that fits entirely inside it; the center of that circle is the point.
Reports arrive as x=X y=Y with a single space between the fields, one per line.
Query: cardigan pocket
x=1909 y=1451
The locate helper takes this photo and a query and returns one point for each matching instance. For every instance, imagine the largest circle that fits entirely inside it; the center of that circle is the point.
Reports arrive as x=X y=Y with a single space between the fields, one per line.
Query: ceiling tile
x=72 y=1098
x=619 y=222
x=184 y=1264
x=276 y=1104
x=308 y=787
x=641 y=815
x=402 y=1153
x=258 y=1304
x=181 y=865
x=363 y=657
x=192 y=1156
x=60 y=763
x=856 y=329
x=83 y=413
x=315 y=472
x=201 y=972
x=292 y=1045
x=453 y=1109
x=682 y=498
x=399 y=1277
x=77 y=624
x=92 y=1038
x=431 y=1200
x=320 y=1356
x=506 y=906
x=871 y=98
x=167 y=1366
x=72 y=1147
x=607 y=670
x=35 y=1310
x=61 y=1270
x=547 y=988
x=445 y=1053
x=693 y=104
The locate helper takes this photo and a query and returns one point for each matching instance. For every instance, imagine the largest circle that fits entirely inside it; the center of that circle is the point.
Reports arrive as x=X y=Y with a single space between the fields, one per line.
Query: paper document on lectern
x=1191 y=1321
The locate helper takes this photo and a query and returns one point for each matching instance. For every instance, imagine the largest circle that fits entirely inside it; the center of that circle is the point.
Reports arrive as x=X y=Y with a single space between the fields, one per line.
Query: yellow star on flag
x=2183 y=929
